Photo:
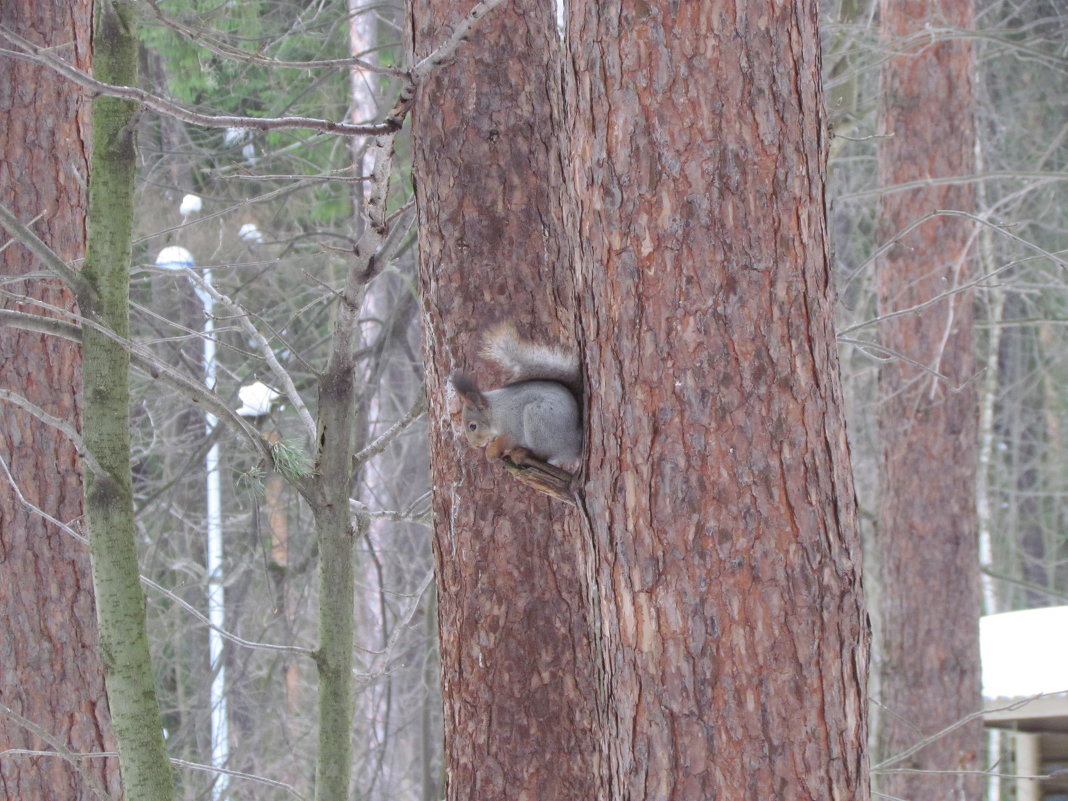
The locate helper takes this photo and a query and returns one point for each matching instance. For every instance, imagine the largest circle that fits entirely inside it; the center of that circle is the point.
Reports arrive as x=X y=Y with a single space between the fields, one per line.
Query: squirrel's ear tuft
x=467 y=389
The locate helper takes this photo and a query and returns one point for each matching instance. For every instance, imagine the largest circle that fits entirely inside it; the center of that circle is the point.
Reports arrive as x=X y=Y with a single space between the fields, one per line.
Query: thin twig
x=244 y=319
x=1028 y=585
x=226 y=635
x=70 y=532
x=951 y=180
x=977 y=282
x=252 y=777
x=73 y=756
x=200 y=37
x=58 y=423
x=51 y=259
x=40 y=55
x=954 y=772
x=61 y=750
x=410 y=515
x=398 y=629
x=923 y=743
x=450 y=45
x=391 y=433
x=147 y=362
x=892 y=354
x=25 y=502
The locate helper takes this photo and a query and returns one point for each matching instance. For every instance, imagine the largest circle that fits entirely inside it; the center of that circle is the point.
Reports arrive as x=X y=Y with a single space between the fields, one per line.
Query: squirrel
x=536 y=414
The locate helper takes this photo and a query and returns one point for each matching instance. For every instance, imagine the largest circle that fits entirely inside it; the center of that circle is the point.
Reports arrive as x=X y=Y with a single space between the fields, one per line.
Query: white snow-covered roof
x=1025 y=653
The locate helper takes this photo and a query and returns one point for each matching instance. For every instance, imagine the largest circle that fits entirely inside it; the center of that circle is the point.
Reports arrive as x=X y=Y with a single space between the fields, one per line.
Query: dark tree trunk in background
x=1023 y=430
x=51 y=673
x=724 y=553
x=927 y=536
x=518 y=682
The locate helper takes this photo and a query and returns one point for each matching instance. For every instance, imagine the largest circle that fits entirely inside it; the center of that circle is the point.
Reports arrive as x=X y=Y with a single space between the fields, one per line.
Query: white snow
x=190 y=204
x=233 y=136
x=1024 y=653
x=250 y=233
x=175 y=258
x=256 y=399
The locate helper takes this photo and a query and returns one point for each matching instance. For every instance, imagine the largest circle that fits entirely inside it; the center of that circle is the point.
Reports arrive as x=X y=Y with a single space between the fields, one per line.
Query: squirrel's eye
x=473 y=426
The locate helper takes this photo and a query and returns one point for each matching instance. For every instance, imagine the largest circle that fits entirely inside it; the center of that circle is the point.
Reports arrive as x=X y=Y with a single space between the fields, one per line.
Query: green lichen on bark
x=104 y=299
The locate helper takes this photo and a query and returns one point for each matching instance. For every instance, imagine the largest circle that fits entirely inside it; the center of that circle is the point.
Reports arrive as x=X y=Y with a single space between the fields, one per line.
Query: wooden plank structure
x=1025 y=684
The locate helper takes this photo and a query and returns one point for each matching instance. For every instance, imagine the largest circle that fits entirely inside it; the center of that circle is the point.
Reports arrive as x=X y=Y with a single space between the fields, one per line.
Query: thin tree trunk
x=46 y=599
x=723 y=553
x=342 y=428
x=1021 y=419
x=518 y=683
x=336 y=535
x=927 y=536
x=342 y=424
x=336 y=538
x=146 y=771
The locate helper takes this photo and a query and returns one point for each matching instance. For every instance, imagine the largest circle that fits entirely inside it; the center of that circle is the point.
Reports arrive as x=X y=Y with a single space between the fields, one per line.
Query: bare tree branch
x=147 y=582
x=31 y=52
x=440 y=56
x=1027 y=585
x=148 y=363
x=1040 y=178
x=252 y=777
x=988 y=773
x=57 y=423
x=203 y=38
x=890 y=354
x=41 y=324
x=76 y=757
x=450 y=45
x=18 y=231
x=61 y=750
x=244 y=319
x=391 y=433
x=393 y=121
x=919 y=744
x=929 y=302
x=983 y=220
x=404 y=620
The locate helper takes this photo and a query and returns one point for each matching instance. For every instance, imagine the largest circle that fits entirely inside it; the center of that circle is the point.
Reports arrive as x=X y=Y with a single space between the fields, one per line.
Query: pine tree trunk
x=927 y=537
x=518 y=683
x=724 y=553
x=46 y=599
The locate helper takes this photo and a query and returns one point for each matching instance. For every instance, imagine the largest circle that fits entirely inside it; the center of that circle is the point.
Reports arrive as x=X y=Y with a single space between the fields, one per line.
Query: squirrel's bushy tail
x=529 y=361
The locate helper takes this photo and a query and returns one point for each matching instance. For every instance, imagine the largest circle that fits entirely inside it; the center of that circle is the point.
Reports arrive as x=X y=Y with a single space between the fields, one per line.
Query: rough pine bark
x=927 y=534
x=51 y=674
x=724 y=551
x=518 y=683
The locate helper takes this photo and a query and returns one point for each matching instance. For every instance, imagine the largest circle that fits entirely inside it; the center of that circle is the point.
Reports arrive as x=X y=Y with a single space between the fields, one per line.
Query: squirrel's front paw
x=520 y=456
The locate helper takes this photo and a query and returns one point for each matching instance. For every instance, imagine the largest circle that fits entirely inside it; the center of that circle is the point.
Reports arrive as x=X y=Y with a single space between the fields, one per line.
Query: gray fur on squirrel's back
x=544 y=404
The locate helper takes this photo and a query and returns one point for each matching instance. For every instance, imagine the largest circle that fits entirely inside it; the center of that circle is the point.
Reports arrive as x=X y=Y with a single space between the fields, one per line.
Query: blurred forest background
x=275 y=221
x=1019 y=310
